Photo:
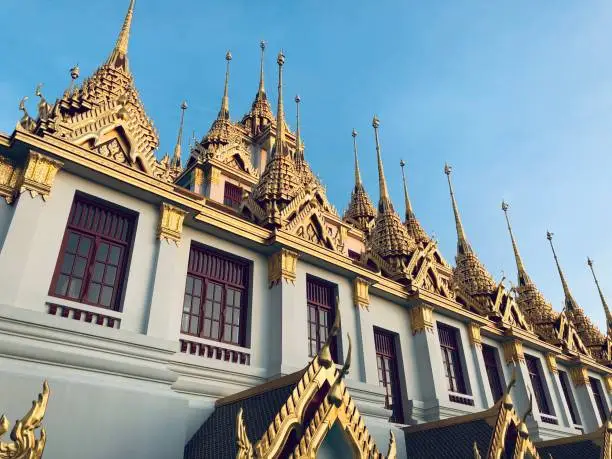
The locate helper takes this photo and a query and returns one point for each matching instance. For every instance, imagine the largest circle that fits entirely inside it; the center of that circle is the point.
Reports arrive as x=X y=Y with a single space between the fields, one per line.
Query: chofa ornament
x=24 y=444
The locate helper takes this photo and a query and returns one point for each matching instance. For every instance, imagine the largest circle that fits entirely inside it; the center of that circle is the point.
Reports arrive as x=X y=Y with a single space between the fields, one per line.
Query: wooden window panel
x=321 y=304
x=537 y=383
x=93 y=255
x=451 y=359
x=388 y=376
x=232 y=195
x=599 y=401
x=215 y=297
x=492 y=368
x=569 y=399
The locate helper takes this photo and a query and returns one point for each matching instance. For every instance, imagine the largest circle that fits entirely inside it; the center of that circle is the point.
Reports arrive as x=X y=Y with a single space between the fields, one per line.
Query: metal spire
x=409 y=212
x=280 y=111
x=224 y=112
x=262 y=89
x=357 y=172
x=176 y=160
x=118 y=57
x=603 y=300
x=570 y=303
x=463 y=246
x=523 y=277
x=384 y=203
x=298 y=139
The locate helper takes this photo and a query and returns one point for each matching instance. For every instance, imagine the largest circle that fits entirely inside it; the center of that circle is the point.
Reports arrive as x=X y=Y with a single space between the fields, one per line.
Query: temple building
x=213 y=303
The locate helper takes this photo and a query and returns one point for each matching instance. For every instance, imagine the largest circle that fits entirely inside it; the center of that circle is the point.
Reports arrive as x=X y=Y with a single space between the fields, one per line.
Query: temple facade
x=214 y=303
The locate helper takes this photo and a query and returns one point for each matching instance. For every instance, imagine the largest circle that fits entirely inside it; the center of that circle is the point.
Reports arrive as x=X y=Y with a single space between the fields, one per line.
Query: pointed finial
x=357 y=171
x=176 y=160
x=407 y=203
x=463 y=246
x=298 y=139
x=280 y=115
x=262 y=89
x=603 y=299
x=74 y=75
x=224 y=112
x=570 y=303
x=118 y=57
x=384 y=203
x=523 y=278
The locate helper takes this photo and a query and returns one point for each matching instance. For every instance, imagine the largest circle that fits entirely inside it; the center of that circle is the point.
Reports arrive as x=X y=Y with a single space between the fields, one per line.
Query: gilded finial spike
x=262 y=89
x=407 y=203
x=570 y=303
x=463 y=246
x=74 y=75
x=280 y=115
x=523 y=278
x=298 y=139
x=384 y=203
x=603 y=299
x=118 y=57
x=224 y=112
x=176 y=160
x=357 y=171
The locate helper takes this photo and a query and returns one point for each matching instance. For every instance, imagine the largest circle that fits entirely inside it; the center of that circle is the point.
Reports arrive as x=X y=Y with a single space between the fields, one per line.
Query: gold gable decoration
x=24 y=444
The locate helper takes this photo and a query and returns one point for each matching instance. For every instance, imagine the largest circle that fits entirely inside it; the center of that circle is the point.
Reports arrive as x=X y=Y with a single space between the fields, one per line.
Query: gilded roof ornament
x=75 y=72
x=360 y=211
x=224 y=111
x=415 y=230
x=118 y=57
x=298 y=139
x=261 y=113
x=523 y=277
x=570 y=303
x=176 y=160
x=603 y=299
x=463 y=246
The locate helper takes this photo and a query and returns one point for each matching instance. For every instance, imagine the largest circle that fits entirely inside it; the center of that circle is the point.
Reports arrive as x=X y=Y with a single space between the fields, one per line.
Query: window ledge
x=84 y=307
x=80 y=313
x=193 y=345
x=463 y=399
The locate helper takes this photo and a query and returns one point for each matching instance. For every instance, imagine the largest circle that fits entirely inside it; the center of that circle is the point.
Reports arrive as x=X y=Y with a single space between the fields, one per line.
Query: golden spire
x=570 y=302
x=413 y=226
x=118 y=57
x=262 y=89
x=463 y=246
x=384 y=203
x=523 y=277
x=357 y=172
x=280 y=111
x=298 y=140
x=224 y=112
x=406 y=198
x=603 y=300
x=176 y=160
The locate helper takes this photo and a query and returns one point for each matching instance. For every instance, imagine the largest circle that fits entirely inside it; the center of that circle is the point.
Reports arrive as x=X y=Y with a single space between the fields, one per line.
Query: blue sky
x=516 y=95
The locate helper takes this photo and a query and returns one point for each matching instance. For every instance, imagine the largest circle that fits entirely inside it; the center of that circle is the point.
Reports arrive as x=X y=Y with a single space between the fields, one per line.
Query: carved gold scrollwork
x=551 y=362
x=171 y=223
x=580 y=376
x=474 y=333
x=39 y=175
x=24 y=444
x=361 y=294
x=245 y=448
x=513 y=352
x=215 y=176
x=608 y=383
x=282 y=265
x=9 y=179
x=421 y=319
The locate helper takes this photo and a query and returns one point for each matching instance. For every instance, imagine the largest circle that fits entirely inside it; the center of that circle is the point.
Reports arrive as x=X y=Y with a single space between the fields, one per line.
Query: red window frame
x=215 y=298
x=451 y=358
x=489 y=355
x=93 y=257
x=537 y=382
x=232 y=195
x=388 y=375
x=321 y=301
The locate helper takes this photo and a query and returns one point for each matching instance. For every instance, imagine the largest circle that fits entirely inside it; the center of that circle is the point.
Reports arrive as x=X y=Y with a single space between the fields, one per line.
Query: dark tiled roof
x=581 y=449
x=449 y=442
x=216 y=438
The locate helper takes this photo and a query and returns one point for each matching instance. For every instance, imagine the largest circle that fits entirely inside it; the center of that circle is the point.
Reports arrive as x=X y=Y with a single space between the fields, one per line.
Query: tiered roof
x=360 y=211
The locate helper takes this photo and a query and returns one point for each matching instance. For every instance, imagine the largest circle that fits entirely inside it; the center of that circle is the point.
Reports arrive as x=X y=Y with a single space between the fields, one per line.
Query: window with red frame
x=321 y=299
x=538 y=384
x=599 y=399
x=451 y=360
x=489 y=355
x=92 y=262
x=214 y=305
x=232 y=195
x=388 y=376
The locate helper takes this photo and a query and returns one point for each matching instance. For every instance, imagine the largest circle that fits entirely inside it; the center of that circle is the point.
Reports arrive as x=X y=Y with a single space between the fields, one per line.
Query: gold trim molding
x=170 y=223
x=282 y=265
x=24 y=443
x=513 y=352
x=215 y=176
x=608 y=382
x=580 y=376
x=361 y=293
x=39 y=175
x=9 y=179
x=551 y=362
x=421 y=319
x=474 y=334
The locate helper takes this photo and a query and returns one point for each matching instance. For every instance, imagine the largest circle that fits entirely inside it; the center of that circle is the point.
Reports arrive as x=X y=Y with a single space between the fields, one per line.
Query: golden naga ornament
x=24 y=444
